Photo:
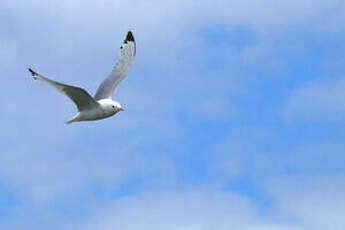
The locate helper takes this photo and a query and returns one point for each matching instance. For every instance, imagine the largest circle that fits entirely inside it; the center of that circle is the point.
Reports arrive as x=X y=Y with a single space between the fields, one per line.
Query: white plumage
x=101 y=105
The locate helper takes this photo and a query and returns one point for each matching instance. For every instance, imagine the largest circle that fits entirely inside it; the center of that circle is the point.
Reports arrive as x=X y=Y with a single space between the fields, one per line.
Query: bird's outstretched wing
x=127 y=53
x=79 y=96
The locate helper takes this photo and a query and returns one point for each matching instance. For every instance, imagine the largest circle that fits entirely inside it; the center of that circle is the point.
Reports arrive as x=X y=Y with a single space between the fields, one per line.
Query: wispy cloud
x=318 y=100
x=297 y=204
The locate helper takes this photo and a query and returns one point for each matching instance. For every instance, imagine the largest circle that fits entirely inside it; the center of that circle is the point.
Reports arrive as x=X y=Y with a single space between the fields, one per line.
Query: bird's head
x=116 y=106
x=111 y=106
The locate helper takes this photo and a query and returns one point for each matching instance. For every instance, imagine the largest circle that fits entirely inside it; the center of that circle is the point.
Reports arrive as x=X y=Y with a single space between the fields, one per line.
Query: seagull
x=101 y=105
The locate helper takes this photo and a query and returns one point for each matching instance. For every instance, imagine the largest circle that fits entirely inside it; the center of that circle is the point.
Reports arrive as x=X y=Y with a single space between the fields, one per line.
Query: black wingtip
x=33 y=73
x=129 y=37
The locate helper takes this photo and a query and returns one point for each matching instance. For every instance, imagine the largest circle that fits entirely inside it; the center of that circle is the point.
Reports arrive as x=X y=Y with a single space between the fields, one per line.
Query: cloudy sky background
x=235 y=116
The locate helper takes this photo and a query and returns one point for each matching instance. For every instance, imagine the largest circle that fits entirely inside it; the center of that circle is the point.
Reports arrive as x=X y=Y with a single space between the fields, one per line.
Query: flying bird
x=101 y=105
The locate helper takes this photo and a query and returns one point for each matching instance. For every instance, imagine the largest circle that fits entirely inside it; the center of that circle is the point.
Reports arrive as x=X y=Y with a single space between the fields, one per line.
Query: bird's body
x=101 y=105
x=106 y=108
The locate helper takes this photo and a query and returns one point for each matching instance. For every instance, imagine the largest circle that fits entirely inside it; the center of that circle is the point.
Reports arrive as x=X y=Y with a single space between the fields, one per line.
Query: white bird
x=101 y=105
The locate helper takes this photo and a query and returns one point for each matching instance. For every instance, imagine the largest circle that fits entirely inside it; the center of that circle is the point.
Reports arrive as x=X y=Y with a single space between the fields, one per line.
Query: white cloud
x=298 y=203
x=315 y=202
x=318 y=100
x=262 y=153
x=244 y=151
x=261 y=15
x=188 y=209
x=42 y=177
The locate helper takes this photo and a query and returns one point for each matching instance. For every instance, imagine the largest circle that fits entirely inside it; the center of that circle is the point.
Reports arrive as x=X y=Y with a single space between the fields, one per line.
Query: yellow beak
x=122 y=109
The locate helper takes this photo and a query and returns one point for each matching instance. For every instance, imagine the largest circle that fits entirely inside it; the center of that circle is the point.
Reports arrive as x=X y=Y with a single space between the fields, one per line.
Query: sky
x=234 y=116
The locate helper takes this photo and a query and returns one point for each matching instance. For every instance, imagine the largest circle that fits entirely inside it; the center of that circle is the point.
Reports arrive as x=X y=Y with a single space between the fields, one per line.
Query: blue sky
x=234 y=116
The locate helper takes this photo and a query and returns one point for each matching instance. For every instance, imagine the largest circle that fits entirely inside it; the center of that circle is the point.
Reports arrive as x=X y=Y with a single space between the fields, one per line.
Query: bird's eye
x=113 y=106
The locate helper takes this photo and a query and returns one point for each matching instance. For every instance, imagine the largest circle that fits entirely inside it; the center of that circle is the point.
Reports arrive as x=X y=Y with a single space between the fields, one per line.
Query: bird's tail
x=69 y=121
x=75 y=118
